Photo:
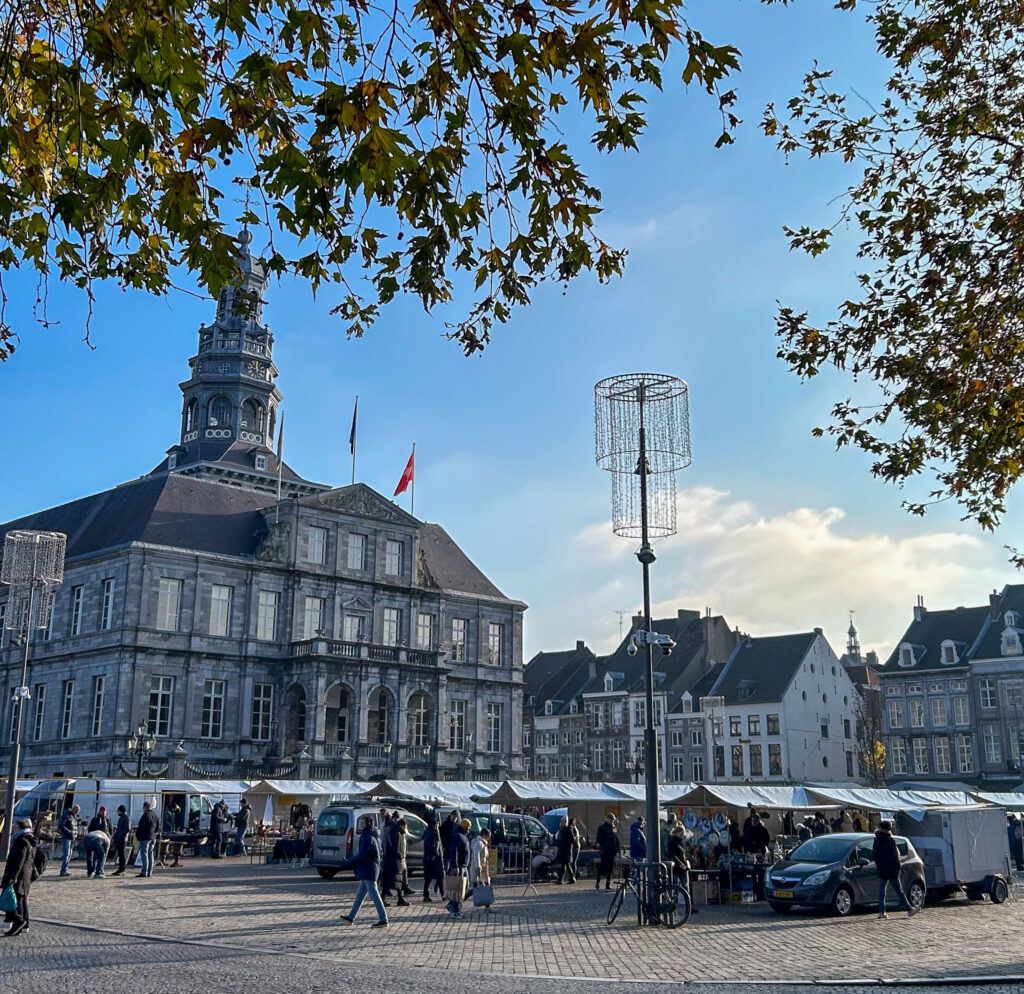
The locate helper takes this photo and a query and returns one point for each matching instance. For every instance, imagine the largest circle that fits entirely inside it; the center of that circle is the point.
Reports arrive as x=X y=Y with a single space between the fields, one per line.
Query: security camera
x=631 y=649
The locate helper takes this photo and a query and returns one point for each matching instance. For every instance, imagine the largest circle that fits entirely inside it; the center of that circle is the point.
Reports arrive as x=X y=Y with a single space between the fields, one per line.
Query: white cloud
x=681 y=223
x=766 y=574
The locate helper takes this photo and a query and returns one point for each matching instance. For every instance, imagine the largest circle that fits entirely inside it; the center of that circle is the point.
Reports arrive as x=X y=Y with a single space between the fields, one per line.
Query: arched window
x=419 y=719
x=339 y=713
x=191 y=414
x=379 y=717
x=220 y=413
x=252 y=415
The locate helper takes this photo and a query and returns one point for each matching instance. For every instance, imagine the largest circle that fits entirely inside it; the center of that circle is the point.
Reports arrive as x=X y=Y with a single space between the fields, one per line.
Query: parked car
x=838 y=872
x=514 y=837
x=335 y=837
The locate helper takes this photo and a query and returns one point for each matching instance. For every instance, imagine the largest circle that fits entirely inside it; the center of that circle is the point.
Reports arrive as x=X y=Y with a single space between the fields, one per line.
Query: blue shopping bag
x=8 y=899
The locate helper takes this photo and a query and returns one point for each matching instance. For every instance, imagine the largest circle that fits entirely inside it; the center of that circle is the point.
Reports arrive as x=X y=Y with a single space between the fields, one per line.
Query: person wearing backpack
x=121 y=833
x=18 y=874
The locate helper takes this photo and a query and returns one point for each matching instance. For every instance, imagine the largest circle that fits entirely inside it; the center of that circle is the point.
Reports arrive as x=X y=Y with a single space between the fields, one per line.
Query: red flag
x=407 y=474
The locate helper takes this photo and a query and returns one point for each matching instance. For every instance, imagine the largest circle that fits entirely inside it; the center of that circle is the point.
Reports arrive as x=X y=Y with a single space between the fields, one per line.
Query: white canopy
x=776 y=798
x=560 y=792
x=311 y=788
x=1011 y=800
x=866 y=798
x=435 y=792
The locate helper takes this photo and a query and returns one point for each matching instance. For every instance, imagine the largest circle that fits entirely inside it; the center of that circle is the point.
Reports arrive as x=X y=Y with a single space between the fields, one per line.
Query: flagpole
x=412 y=505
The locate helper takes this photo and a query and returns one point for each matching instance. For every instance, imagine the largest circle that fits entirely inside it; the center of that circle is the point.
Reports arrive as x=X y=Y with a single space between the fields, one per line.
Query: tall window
x=40 y=702
x=76 y=610
x=353 y=627
x=964 y=753
x=917 y=714
x=737 y=760
x=457 y=725
x=419 y=720
x=220 y=413
x=266 y=615
x=67 y=704
x=735 y=726
x=313 y=621
x=942 y=764
x=342 y=723
x=920 y=755
x=379 y=724
x=898 y=756
x=393 y=558
x=168 y=604
x=161 y=697
x=220 y=609
x=639 y=714
x=754 y=724
x=696 y=737
x=424 y=630
x=107 y=605
x=494 y=644
x=392 y=625
x=987 y=693
x=46 y=628
x=774 y=759
x=212 y=726
x=494 y=727
x=3 y=621
x=938 y=712
x=895 y=714
x=756 y=768
x=961 y=711
x=697 y=768
x=317 y=551
x=459 y=629
x=678 y=768
x=98 y=689
x=356 y=551
x=992 y=744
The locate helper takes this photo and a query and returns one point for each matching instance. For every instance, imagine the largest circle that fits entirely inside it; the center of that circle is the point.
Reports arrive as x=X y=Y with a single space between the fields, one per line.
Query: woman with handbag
x=455 y=868
x=480 y=870
x=17 y=878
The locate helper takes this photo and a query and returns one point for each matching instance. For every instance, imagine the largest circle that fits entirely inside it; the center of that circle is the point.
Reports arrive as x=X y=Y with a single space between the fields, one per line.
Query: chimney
x=919 y=608
x=684 y=615
x=818 y=631
x=581 y=646
x=993 y=605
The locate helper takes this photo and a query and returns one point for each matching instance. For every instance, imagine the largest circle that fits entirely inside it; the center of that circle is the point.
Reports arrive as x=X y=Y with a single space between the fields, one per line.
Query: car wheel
x=916 y=894
x=999 y=892
x=842 y=902
x=779 y=909
x=327 y=872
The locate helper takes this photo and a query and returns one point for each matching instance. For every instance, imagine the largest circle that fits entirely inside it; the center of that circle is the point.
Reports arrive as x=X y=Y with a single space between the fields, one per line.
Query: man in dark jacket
x=217 y=823
x=457 y=861
x=637 y=840
x=242 y=817
x=68 y=833
x=389 y=867
x=121 y=832
x=887 y=861
x=608 y=848
x=433 y=861
x=146 y=832
x=18 y=873
x=100 y=822
x=366 y=864
x=758 y=839
x=448 y=826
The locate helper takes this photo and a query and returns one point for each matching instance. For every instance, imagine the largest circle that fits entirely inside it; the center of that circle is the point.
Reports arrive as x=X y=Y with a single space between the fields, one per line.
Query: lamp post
x=634 y=767
x=642 y=437
x=33 y=563
x=141 y=746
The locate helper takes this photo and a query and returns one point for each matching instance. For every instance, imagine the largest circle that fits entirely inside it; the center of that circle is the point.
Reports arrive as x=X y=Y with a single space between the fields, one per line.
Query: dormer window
x=1011 y=619
x=949 y=653
x=261 y=462
x=548 y=708
x=906 y=655
x=172 y=460
x=573 y=708
x=1011 y=641
x=687 y=704
x=609 y=683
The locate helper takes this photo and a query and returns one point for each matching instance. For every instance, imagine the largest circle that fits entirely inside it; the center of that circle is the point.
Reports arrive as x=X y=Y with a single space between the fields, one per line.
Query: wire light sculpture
x=32 y=565
x=659 y=403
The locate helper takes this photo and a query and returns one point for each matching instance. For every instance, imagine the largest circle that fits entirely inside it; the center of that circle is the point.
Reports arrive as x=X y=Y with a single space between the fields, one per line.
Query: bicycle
x=664 y=902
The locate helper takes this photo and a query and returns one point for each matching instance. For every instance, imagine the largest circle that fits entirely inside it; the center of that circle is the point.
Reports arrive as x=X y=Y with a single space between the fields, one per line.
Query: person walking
x=100 y=822
x=18 y=873
x=389 y=867
x=217 y=825
x=457 y=862
x=608 y=849
x=433 y=860
x=96 y=845
x=887 y=861
x=146 y=832
x=565 y=851
x=479 y=859
x=401 y=864
x=448 y=828
x=575 y=845
x=243 y=816
x=121 y=832
x=68 y=827
x=367 y=863
x=637 y=839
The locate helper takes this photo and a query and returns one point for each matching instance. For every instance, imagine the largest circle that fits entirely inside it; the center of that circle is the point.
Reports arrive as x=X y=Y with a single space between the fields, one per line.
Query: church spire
x=852 y=642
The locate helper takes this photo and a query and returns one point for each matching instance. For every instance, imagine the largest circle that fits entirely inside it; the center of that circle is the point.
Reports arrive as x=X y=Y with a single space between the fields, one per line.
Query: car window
x=904 y=847
x=416 y=826
x=821 y=850
x=480 y=821
x=332 y=823
x=513 y=829
x=865 y=850
x=535 y=829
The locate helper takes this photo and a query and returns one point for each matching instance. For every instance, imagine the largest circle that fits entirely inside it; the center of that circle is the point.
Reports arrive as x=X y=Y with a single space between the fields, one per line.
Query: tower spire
x=852 y=642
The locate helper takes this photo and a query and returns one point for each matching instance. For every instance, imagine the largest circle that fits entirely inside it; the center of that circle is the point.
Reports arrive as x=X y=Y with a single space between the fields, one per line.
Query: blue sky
x=777 y=530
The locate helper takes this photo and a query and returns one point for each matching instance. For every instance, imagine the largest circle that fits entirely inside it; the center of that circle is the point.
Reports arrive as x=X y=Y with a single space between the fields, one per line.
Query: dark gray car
x=838 y=872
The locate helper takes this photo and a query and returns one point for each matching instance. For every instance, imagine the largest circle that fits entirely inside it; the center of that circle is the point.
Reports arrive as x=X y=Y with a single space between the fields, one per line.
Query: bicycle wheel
x=671 y=905
x=617 y=898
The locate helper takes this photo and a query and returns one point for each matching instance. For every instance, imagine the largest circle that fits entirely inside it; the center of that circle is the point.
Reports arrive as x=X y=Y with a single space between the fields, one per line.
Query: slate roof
x=763 y=667
x=233 y=454
x=450 y=567
x=962 y=625
x=539 y=670
x=989 y=645
x=570 y=673
x=178 y=511
x=702 y=688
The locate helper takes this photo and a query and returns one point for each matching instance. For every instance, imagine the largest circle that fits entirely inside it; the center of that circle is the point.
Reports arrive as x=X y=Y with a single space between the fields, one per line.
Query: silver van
x=336 y=837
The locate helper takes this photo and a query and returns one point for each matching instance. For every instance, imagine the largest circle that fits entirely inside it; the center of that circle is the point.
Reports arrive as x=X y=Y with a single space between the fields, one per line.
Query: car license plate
x=782 y=893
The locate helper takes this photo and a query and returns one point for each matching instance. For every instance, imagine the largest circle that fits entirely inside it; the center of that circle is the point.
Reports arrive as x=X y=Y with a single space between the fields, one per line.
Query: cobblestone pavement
x=284 y=919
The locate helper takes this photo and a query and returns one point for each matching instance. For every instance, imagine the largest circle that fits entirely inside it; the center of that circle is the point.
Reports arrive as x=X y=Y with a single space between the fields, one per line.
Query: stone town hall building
x=329 y=629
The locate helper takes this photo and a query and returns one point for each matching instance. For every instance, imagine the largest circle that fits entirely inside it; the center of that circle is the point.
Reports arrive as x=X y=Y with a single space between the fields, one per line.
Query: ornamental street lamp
x=32 y=565
x=140 y=747
x=642 y=437
x=634 y=767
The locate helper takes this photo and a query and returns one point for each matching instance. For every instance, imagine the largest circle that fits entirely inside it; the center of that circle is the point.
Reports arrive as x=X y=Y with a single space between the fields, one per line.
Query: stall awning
x=771 y=798
x=555 y=792
x=311 y=788
x=1012 y=800
x=864 y=798
x=435 y=792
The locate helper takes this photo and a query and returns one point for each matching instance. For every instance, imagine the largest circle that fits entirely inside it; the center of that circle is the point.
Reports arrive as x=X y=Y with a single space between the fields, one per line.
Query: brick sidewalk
x=560 y=931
